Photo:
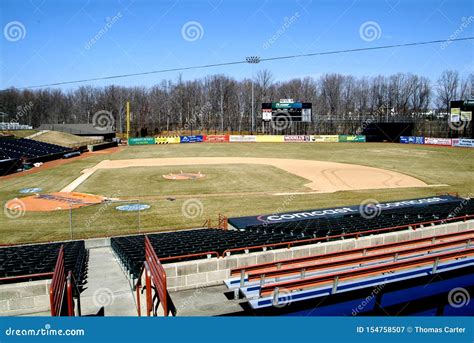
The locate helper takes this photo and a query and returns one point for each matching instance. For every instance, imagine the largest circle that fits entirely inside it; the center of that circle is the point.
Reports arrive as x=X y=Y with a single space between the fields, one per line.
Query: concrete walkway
x=106 y=286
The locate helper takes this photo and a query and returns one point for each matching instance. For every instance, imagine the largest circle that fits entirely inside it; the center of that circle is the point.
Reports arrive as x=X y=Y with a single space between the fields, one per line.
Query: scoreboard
x=288 y=110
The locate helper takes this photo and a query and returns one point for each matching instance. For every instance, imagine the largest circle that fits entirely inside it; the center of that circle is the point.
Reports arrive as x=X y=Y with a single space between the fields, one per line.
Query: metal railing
x=155 y=279
x=57 y=287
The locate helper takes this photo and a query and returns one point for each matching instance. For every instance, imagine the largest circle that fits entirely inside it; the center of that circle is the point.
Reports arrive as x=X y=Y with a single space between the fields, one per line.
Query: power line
x=334 y=52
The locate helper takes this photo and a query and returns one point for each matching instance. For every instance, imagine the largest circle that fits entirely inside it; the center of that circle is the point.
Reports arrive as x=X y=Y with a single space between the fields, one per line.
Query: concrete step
x=107 y=286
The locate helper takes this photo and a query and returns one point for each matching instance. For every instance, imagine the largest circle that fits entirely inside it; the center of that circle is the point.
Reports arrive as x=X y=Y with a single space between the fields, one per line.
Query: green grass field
x=434 y=165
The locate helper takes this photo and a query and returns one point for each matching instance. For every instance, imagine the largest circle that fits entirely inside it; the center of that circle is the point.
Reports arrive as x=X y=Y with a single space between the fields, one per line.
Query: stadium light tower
x=253 y=60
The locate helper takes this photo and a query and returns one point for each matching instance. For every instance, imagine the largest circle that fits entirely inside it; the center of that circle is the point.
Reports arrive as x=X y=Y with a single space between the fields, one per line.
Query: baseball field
x=237 y=179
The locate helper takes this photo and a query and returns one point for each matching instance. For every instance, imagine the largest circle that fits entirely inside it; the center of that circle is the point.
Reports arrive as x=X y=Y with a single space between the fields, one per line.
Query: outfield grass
x=433 y=165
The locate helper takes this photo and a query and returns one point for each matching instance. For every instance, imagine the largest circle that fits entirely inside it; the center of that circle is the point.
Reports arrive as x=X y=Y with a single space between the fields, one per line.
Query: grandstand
x=31 y=151
x=36 y=262
x=13 y=152
x=177 y=246
x=388 y=276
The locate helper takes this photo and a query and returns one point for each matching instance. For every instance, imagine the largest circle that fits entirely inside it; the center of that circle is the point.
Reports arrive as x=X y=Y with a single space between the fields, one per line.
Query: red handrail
x=56 y=289
x=289 y=244
x=362 y=272
x=21 y=277
x=157 y=274
x=163 y=259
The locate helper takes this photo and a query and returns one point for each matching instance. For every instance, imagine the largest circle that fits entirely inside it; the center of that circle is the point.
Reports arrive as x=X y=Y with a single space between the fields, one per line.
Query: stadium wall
x=451 y=142
x=213 y=271
x=24 y=298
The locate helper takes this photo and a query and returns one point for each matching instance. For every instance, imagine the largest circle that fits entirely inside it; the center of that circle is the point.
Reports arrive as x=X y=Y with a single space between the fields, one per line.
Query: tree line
x=223 y=103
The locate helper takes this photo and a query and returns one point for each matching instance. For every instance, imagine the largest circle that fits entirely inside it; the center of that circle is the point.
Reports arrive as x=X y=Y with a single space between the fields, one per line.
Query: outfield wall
x=245 y=139
x=451 y=142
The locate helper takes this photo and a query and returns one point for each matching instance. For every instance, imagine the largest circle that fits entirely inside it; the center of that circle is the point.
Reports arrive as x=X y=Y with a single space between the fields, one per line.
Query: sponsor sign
x=412 y=140
x=30 y=190
x=141 y=141
x=133 y=207
x=217 y=139
x=296 y=138
x=242 y=139
x=191 y=139
x=167 y=140
x=466 y=115
x=324 y=138
x=438 y=141
x=463 y=142
x=243 y=222
x=351 y=138
x=279 y=105
x=270 y=139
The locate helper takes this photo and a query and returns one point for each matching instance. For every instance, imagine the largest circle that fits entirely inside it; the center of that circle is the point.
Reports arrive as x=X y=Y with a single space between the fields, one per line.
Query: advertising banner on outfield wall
x=167 y=140
x=191 y=139
x=216 y=138
x=351 y=138
x=141 y=141
x=412 y=140
x=242 y=139
x=463 y=142
x=324 y=138
x=438 y=141
x=297 y=138
x=269 y=139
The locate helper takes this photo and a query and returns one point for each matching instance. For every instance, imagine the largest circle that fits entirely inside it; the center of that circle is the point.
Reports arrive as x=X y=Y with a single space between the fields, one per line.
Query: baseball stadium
x=290 y=189
x=249 y=225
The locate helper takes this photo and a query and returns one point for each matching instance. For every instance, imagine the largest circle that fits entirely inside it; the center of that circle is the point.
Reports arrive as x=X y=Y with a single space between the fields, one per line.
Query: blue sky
x=56 y=38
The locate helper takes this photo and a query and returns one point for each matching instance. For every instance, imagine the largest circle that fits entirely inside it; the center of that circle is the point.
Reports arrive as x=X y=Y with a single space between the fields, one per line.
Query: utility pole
x=253 y=60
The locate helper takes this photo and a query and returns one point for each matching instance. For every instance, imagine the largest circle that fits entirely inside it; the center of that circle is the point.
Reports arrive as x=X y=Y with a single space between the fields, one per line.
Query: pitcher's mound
x=53 y=201
x=184 y=176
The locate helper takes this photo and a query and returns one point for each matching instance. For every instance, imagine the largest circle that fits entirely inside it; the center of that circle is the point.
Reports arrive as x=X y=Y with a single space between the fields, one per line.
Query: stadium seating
x=41 y=258
x=130 y=249
x=31 y=150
